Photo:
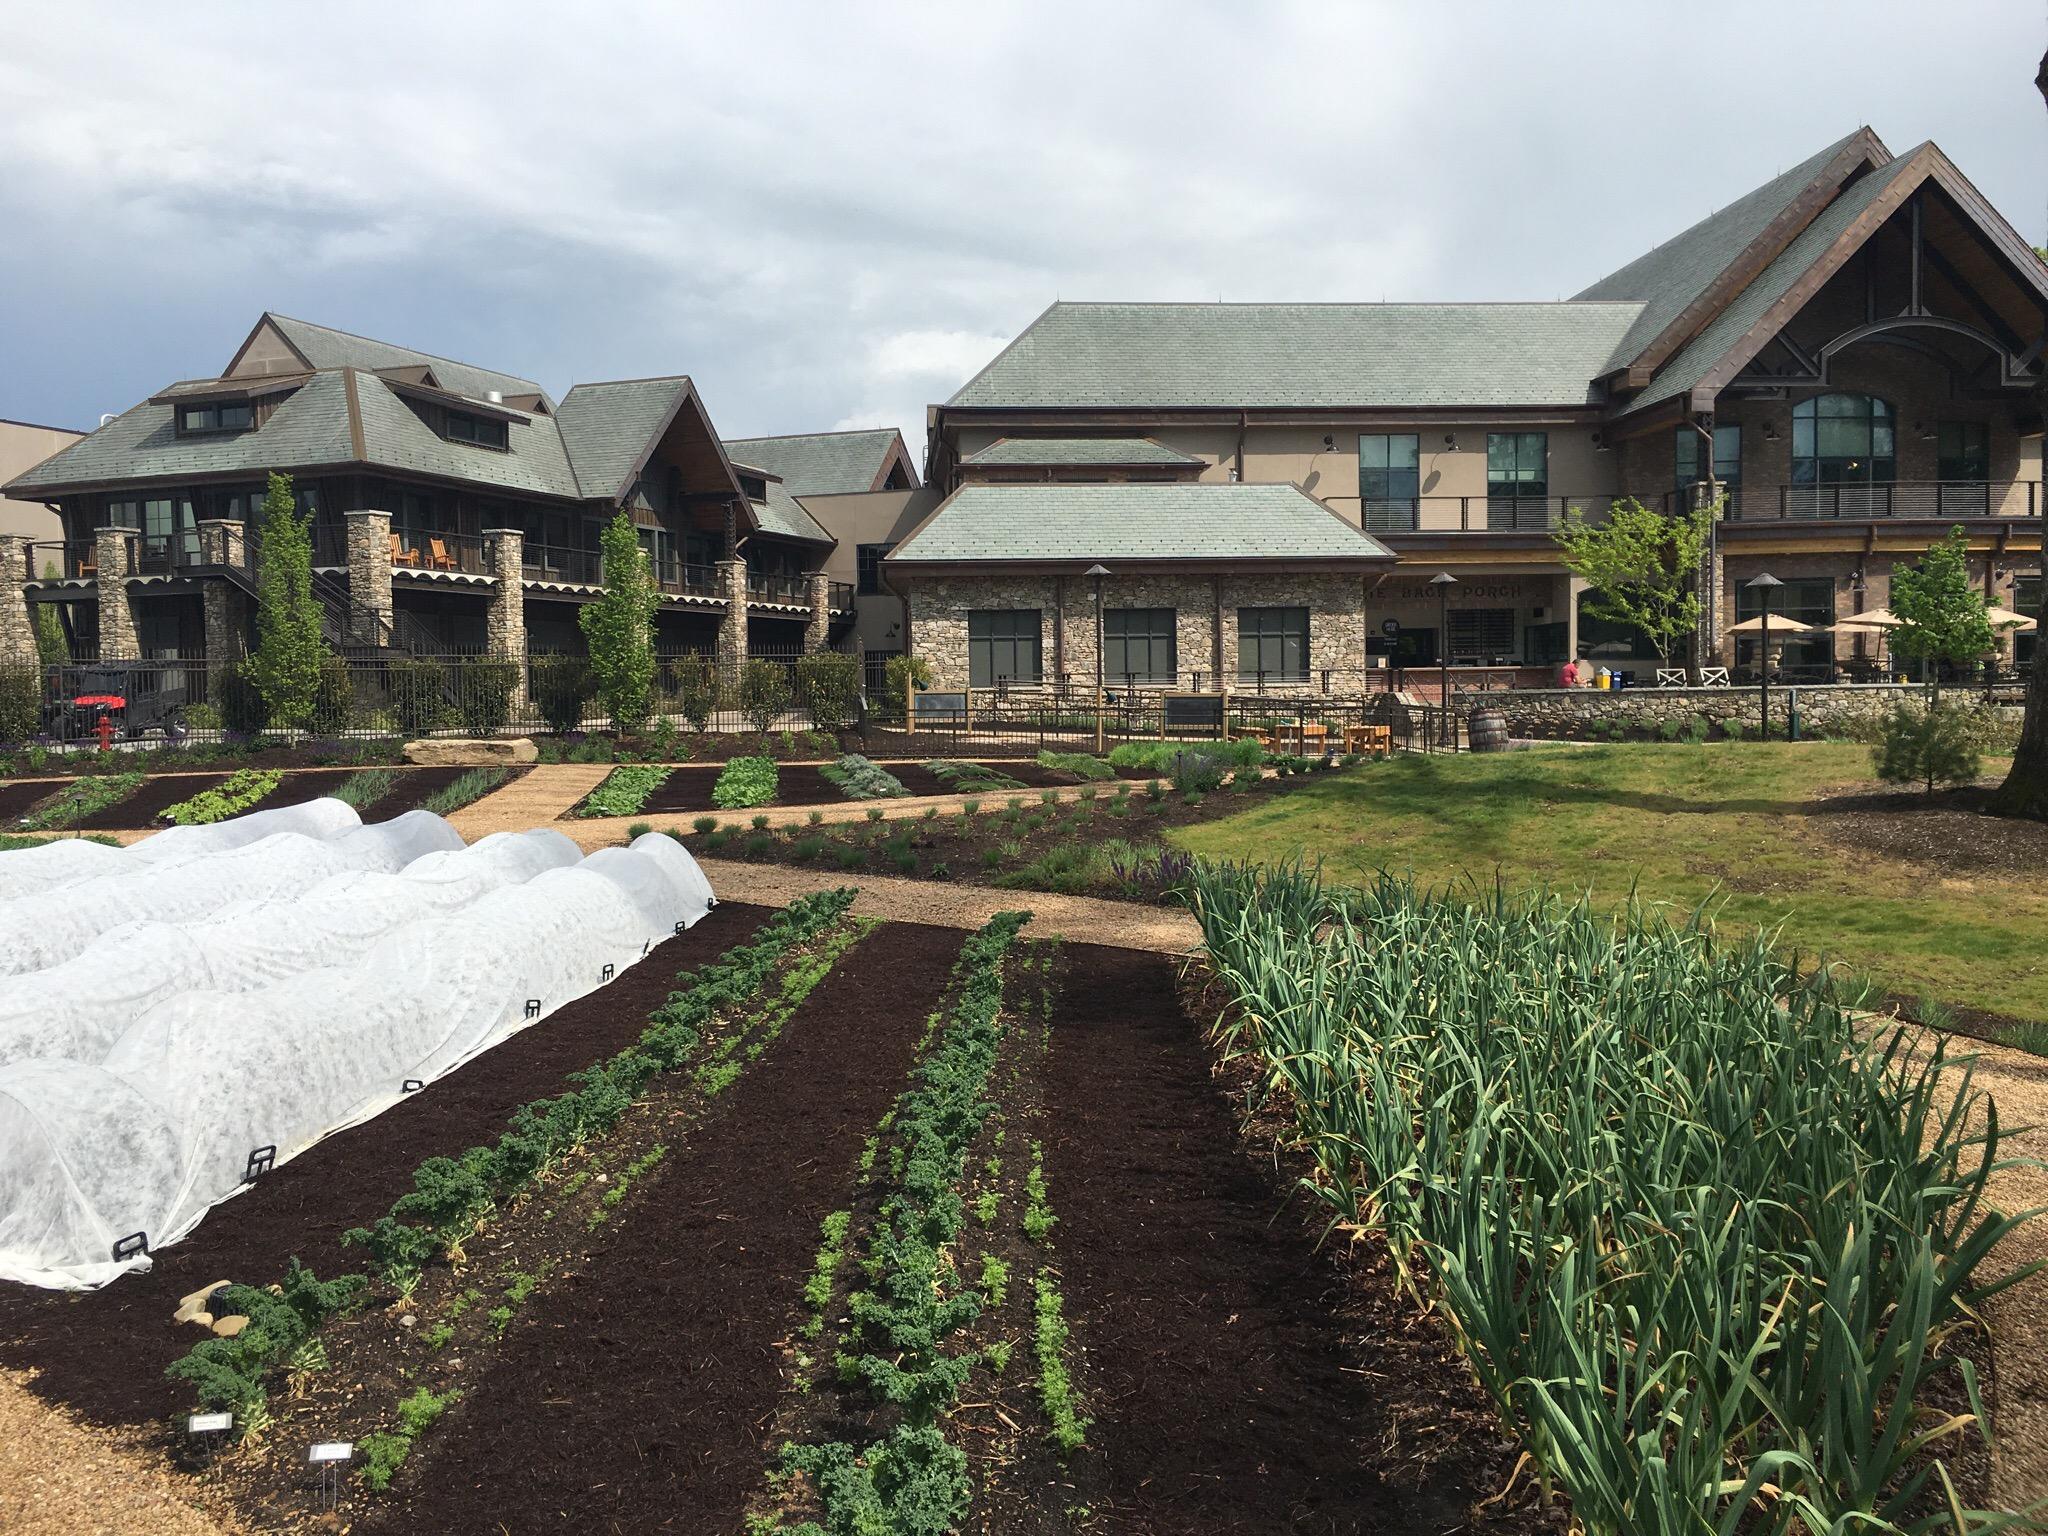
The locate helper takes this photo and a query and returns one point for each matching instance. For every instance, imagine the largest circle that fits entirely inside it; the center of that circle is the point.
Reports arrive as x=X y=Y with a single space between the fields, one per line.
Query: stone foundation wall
x=17 y=630
x=1572 y=711
x=939 y=607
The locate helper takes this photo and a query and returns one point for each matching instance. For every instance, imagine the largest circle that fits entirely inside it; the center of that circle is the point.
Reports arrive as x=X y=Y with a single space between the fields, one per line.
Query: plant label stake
x=330 y=1456
x=208 y=1430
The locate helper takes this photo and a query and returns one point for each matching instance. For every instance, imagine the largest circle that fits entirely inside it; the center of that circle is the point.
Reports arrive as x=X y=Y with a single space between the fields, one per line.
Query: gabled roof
x=609 y=429
x=324 y=347
x=394 y=437
x=1763 y=307
x=1061 y=452
x=1248 y=356
x=1686 y=279
x=782 y=514
x=825 y=463
x=1132 y=523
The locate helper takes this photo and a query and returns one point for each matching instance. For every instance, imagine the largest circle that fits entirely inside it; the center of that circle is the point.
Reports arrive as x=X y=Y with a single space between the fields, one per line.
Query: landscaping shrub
x=859 y=779
x=241 y=791
x=1081 y=765
x=763 y=692
x=746 y=781
x=485 y=686
x=1695 y=1231
x=624 y=791
x=1936 y=745
x=828 y=684
x=900 y=674
x=1197 y=770
x=21 y=703
x=418 y=695
x=559 y=687
x=241 y=706
x=696 y=689
x=334 y=699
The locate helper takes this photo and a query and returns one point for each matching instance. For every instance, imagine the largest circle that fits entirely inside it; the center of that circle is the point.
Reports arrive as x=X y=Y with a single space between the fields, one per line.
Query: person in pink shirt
x=1569 y=676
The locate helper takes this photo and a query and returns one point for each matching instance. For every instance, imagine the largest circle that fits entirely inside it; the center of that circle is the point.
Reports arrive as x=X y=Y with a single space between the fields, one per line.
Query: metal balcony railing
x=67 y=559
x=778 y=589
x=420 y=550
x=554 y=562
x=1926 y=499
x=839 y=596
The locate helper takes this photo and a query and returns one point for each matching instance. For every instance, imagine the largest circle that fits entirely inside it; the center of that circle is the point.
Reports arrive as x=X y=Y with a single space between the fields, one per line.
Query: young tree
x=619 y=627
x=1642 y=566
x=50 y=642
x=285 y=666
x=1941 y=615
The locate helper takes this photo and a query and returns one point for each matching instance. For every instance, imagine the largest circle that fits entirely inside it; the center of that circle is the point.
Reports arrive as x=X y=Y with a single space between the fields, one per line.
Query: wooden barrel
x=1489 y=731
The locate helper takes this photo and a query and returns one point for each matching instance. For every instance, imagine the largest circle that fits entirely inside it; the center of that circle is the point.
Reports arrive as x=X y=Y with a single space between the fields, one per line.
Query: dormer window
x=483 y=431
x=217 y=416
x=755 y=487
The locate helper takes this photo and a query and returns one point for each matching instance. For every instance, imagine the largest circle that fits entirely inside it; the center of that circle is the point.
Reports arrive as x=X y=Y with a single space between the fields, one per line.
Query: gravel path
x=1082 y=919
x=58 y=1478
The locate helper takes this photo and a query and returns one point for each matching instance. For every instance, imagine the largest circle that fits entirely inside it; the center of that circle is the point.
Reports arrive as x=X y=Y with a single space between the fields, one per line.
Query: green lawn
x=1680 y=824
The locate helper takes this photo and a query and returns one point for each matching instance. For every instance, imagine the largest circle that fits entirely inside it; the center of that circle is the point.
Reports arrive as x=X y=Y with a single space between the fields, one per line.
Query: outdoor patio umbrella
x=1780 y=625
x=1871 y=618
x=2005 y=618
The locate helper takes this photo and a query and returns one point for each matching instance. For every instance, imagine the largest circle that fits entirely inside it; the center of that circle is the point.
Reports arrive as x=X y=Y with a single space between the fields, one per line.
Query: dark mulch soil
x=103 y=1352
x=17 y=798
x=689 y=787
x=636 y=1395
x=298 y=788
x=1948 y=830
x=142 y=808
x=1241 y=1381
x=200 y=758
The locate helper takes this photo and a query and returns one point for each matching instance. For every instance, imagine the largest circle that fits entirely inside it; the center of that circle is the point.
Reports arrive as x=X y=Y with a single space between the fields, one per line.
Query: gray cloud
x=831 y=215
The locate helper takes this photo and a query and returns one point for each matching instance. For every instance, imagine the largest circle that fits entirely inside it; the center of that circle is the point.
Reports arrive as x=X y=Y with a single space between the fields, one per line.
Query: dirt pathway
x=635 y=1395
x=1081 y=919
x=534 y=799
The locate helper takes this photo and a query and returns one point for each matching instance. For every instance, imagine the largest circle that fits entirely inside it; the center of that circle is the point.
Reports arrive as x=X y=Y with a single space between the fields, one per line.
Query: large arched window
x=1842 y=440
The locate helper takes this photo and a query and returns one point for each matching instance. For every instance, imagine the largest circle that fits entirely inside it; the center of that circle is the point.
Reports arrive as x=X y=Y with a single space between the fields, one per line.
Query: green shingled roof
x=307 y=429
x=1142 y=521
x=1677 y=272
x=819 y=463
x=396 y=438
x=1018 y=452
x=1304 y=355
x=606 y=427
x=325 y=347
x=1706 y=349
x=781 y=514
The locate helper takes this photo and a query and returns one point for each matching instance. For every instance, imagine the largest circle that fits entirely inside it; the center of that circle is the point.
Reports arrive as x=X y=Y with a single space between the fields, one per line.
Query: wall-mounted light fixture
x=1450 y=442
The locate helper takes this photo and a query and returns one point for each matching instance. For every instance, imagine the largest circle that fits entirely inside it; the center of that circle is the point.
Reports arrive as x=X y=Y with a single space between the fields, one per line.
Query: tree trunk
x=2025 y=790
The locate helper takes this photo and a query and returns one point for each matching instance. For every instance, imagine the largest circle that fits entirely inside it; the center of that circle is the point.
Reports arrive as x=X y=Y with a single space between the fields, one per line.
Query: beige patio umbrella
x=2006 y=618
x=1779 y=625
x=1870 y=618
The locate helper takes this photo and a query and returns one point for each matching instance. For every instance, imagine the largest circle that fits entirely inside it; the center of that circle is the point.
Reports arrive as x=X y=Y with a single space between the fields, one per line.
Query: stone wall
x=17 y=631
x=369 y=574
x=1572 y=711
x=939 y=607
x=118 y=640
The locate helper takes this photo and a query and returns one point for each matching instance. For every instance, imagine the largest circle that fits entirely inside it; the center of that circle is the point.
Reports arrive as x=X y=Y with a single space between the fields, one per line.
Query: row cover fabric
x=143 y=1127
x=66 y=861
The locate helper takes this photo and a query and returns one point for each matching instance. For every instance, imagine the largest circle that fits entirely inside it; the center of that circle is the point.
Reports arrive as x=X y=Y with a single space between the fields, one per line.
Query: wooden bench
x=1369 y=740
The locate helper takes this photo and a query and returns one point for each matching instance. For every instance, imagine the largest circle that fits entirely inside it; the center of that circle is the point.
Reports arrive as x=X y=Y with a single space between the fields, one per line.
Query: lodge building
x=1847 y=360
x=1849 y=354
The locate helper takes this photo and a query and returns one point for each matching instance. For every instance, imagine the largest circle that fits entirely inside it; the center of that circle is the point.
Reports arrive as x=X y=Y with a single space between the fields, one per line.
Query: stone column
x=369 y=575
x=819 y=629
x=227 y=611
x=17 y=631
x=732 y=627
x=118 y=640
x=505 y=621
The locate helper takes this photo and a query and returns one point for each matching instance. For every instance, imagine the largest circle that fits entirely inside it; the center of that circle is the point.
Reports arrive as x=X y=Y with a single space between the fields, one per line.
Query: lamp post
x=1761 y=584
x=1098 y=571
x=1443 y=581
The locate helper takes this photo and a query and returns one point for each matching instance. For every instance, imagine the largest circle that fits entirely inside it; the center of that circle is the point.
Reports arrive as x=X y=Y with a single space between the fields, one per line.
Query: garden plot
x=117 y=1136
x=102 y=1353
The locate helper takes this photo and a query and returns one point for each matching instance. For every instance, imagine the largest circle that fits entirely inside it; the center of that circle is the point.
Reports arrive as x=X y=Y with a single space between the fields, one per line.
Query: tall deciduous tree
x=2025 y=790
x=1643 y=567
x=619 y=627
x=1941 y=614
x=285 y=666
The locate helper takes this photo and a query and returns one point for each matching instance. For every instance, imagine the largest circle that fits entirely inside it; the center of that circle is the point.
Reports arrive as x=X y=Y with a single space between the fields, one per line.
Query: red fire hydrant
x=105 y=731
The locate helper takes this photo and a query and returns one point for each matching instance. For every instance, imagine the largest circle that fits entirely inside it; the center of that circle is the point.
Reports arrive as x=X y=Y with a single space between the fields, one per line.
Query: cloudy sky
x=832 y=214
